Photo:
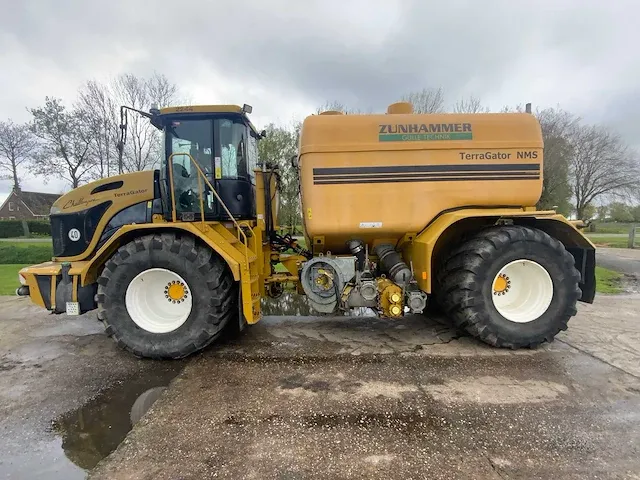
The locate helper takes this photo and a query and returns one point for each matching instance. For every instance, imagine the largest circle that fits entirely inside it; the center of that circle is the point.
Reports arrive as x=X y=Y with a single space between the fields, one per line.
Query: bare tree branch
x=557 y=127
x=65 y=141
x=470 y=105
x=145 y=149
x=17 y=145
x=601 y=166
x=427 y=100
x=100 y=110
x=338 y=107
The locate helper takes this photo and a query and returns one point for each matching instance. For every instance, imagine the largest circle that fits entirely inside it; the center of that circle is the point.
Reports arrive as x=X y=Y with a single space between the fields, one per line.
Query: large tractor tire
x=164 y=296
x=510 y=286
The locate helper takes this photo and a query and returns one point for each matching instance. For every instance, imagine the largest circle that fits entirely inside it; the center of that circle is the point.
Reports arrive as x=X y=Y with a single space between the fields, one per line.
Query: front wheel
x=164 y=296
x=510 y=286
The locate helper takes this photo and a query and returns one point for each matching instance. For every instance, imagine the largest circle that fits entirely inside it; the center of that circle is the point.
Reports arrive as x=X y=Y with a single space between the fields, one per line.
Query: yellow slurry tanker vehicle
x=400 y=209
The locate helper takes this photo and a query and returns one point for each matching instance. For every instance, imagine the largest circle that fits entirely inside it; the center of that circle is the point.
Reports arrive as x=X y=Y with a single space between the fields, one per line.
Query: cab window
x=252 y=154
x=232 y=135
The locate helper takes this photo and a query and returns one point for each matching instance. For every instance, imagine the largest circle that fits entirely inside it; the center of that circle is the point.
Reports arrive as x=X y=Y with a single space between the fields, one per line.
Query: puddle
x=93 y=431
x=290 y=304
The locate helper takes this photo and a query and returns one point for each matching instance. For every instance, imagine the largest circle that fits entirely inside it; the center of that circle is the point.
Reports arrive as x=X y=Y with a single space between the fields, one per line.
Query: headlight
x=55 y=210
x=22 y=280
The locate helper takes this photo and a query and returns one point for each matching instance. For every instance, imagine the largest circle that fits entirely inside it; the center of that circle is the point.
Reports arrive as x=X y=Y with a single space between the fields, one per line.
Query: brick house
x=21 y=205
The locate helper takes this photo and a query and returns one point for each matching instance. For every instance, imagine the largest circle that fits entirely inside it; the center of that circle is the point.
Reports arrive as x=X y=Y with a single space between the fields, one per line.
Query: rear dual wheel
x=510 y=286
x=164 y=296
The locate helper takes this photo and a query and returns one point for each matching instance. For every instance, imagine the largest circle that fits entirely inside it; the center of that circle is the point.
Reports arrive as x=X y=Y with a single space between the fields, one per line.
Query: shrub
x=39 y=228
x=11 y=228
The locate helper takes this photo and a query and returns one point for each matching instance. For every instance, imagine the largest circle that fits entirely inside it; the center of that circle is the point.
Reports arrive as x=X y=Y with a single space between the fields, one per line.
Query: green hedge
x=31 y=254
x=13 y=228
x=39 y=228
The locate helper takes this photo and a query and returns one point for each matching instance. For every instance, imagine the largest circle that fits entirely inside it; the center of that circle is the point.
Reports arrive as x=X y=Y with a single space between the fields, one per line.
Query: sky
x=287 y=57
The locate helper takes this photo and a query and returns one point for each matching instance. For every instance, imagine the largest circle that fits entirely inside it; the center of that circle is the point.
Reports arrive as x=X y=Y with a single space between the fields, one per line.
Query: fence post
x=632 y=236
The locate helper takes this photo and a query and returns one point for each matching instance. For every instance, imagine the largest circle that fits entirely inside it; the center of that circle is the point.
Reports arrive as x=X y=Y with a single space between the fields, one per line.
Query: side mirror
x=294 y=161
x=263 y=134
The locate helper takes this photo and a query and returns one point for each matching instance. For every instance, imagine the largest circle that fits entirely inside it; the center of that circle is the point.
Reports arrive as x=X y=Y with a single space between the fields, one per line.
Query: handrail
x=200 y=193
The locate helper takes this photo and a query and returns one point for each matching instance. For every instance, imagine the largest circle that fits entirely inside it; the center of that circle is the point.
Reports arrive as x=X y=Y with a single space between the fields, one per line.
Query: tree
x=635 y=212
x=100 y=110
x=427 y=100
x=337 y=107
x=557 y=127
x=589 y=212
x=601 y=166
x=278 y=147
x=603 y=212
x=65 y=142
x=470 y=105
x=144 y=148
x=100 y=103
x=17 y=145
x=621 y=212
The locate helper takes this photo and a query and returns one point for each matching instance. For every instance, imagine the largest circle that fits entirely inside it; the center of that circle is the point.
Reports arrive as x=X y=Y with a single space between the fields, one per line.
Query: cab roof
x=204 y=109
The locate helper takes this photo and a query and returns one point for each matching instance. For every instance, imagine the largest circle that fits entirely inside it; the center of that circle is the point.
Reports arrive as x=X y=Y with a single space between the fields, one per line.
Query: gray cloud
x=285 y=57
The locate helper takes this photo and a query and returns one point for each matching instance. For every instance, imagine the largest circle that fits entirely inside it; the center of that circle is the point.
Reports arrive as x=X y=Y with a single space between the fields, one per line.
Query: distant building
x=21 y=205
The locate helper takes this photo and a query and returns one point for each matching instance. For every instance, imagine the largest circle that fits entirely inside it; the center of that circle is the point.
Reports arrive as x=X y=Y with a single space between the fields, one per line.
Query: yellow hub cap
x=175 y=291
x=501 y=284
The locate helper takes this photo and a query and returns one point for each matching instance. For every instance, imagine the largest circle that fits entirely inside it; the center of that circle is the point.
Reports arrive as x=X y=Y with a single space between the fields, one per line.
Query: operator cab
x=224 y=143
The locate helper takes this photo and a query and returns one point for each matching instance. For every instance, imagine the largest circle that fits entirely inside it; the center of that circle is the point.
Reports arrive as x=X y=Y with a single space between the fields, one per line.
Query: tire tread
x=459 y=290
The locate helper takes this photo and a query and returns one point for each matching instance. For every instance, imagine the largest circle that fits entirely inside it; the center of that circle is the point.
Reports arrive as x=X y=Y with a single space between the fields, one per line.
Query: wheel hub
x=175 y=291
x=501 y=285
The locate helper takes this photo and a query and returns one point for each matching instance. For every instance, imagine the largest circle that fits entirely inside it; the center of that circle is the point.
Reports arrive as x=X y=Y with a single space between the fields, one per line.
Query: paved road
x=65 y=392
x=623 y=260
x=298 y=398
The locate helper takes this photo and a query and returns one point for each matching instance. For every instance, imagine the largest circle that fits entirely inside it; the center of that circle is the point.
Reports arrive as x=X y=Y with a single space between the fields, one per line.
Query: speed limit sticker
x=74 y=234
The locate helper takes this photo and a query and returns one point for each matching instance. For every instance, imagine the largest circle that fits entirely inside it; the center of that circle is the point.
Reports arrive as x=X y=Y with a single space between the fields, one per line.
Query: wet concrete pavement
x=65 y=392
x=297 y=398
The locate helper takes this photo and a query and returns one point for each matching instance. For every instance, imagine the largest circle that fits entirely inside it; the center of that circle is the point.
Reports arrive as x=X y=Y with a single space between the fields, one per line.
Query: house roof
x=39 y=203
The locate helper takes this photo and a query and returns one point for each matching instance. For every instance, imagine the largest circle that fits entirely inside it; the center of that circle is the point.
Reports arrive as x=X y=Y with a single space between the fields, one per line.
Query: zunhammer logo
x=423 y=132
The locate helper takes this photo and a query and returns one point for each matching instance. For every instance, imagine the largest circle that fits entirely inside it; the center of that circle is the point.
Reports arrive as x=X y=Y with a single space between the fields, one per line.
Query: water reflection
x=93 y=431
x=287 y=304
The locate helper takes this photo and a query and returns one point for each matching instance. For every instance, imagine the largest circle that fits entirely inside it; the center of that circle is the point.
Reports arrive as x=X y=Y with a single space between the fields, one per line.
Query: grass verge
x=608 y=281
x=25 y=252
x=612 y=227
x=9 y=278
x=613 y=242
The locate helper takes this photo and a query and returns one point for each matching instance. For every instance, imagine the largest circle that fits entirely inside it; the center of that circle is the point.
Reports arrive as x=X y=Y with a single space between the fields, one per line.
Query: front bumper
x=52 y=284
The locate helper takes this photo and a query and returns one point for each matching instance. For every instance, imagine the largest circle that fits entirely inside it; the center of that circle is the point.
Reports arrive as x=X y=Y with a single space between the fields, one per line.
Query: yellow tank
x=379 y=177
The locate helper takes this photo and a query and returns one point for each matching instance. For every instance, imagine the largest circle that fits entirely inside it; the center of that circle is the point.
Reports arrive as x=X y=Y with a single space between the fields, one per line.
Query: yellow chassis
x=250 y=261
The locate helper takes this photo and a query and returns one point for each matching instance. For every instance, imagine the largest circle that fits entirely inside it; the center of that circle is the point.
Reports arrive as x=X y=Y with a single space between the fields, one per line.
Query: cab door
x=235 y=160
x=192 y=136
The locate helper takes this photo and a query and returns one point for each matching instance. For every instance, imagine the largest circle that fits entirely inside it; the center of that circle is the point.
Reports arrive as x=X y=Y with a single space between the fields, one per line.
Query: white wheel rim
x=158 y=300
x=522 y=291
